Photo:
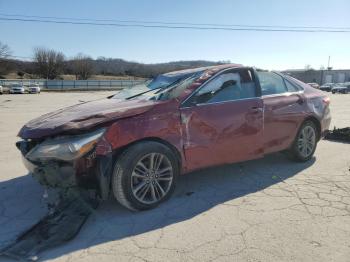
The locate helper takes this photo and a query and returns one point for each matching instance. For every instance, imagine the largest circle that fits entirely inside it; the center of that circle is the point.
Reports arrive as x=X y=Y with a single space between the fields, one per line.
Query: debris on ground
x=341 y=134
x=61 y=224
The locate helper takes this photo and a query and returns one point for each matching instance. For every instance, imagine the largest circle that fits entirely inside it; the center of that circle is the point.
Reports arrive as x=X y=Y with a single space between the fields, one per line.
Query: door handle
x=256 y=109
x=300 y=100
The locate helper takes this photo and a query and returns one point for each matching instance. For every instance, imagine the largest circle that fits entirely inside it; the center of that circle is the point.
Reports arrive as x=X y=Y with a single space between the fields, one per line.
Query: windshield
x=162 y=87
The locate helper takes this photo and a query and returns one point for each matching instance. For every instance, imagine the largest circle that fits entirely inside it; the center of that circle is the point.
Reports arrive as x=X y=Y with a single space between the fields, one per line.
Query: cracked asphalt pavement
x=269 y=209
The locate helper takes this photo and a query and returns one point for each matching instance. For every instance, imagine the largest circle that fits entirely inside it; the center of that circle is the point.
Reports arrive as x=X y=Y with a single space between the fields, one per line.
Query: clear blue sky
x=270 y=50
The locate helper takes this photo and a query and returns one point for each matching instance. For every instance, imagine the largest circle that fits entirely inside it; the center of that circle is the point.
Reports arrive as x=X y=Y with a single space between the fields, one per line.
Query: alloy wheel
x=152 y=178
x=307 y=141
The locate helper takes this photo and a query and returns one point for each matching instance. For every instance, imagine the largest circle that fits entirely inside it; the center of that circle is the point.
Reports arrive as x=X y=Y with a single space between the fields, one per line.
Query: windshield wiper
x=130 y=97
x=161 y=88
x=170 y=85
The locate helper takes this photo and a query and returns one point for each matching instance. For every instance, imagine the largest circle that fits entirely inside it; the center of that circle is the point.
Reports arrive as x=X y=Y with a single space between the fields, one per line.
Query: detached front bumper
x=53 y=174
x=89 y=171
x=82 y=172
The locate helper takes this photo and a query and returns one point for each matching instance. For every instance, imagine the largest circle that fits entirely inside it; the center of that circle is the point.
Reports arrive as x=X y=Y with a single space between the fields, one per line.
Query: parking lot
x=269 y=209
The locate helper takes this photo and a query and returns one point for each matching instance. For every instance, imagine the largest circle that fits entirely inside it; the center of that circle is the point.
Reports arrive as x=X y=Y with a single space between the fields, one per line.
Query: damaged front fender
x=105 y=168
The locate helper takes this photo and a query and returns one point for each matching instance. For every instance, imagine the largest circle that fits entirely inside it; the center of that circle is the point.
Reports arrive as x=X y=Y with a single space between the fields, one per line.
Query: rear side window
x=291 y=87
x=271 y=83
x=229 y=86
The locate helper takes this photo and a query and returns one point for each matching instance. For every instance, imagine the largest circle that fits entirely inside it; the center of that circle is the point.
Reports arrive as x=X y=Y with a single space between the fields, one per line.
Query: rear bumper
x=325 y=123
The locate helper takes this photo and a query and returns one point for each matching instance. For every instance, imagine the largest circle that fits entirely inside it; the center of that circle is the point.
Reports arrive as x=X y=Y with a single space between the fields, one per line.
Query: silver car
x=17 y=89
x=34 y=89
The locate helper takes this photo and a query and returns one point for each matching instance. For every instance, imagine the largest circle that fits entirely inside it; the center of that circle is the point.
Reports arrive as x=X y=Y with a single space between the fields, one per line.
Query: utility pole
x=329 y=60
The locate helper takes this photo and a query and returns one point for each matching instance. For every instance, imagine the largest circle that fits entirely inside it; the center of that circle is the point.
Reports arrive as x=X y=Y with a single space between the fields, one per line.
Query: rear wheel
x=305 y=143
x=144 y=175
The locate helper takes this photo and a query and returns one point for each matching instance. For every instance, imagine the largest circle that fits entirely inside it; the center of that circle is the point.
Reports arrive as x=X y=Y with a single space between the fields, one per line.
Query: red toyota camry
x=136 y=143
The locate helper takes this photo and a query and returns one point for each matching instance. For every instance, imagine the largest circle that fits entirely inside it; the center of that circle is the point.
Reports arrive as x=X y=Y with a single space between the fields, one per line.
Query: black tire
x=294 y=151
x=124 y=167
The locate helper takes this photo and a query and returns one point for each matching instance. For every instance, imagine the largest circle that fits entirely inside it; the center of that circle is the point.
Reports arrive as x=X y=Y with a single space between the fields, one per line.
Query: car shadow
x=197 y=192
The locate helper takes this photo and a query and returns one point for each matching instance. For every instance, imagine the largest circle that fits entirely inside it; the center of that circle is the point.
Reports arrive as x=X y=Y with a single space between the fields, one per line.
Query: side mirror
x=191 y=102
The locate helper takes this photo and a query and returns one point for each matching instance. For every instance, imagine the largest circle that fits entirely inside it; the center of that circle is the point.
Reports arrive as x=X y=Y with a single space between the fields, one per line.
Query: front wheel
x=145 y=175
x=305 y=143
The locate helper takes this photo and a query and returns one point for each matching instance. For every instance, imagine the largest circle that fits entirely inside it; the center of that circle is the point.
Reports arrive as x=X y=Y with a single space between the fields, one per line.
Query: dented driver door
x=223 y=121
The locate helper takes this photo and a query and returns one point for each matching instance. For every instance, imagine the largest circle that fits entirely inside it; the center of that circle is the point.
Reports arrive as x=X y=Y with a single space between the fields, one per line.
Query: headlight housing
x=65 y=148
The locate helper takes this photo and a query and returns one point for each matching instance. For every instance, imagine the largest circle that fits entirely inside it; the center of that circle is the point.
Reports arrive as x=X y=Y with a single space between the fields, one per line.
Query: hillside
x=104 y=68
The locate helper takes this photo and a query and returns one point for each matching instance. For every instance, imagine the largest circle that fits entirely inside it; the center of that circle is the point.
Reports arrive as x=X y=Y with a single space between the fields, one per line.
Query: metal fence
x=73 y=84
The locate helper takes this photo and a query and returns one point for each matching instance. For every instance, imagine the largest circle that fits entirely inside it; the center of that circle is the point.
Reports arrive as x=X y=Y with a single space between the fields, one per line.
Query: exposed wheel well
x=117 y=152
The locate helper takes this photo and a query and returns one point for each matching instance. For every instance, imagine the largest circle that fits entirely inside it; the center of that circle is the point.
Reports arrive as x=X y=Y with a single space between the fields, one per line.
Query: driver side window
x=228 y=86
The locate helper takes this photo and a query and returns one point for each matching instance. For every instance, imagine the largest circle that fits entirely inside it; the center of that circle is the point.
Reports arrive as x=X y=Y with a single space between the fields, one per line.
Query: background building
x=320 y=76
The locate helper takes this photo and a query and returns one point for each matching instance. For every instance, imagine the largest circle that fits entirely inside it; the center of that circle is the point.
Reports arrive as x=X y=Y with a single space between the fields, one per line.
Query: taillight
x=326 y=100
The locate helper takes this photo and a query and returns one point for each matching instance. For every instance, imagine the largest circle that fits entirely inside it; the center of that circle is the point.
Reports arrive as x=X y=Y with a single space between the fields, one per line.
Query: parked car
x=314 y=85
x=17 y=89
x=327 y=87
x=135 y=147
x=343 y=88
x=34 y=89
x=1 y=90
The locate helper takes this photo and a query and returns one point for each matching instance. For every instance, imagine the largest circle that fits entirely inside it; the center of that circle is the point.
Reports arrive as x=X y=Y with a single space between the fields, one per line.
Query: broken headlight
x=65 y=148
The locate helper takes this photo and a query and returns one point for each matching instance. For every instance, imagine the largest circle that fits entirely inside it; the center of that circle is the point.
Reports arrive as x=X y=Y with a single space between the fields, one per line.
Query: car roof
x=203 y=69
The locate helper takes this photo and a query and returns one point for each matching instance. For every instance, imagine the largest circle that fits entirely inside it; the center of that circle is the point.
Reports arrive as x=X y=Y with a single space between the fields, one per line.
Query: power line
x=180 y=27
x=173 y=23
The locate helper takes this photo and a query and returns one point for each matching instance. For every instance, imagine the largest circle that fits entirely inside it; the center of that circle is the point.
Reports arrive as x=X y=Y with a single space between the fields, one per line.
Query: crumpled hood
x=83 y=116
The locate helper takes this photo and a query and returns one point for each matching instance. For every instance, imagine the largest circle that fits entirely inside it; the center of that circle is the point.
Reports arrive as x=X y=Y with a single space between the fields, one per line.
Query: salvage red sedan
x=136 y=143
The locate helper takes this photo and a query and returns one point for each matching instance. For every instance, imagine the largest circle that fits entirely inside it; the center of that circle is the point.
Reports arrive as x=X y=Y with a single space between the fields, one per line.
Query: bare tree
x=82 y=66
x=49 y=62
x=308 y=67
x=5 y=51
